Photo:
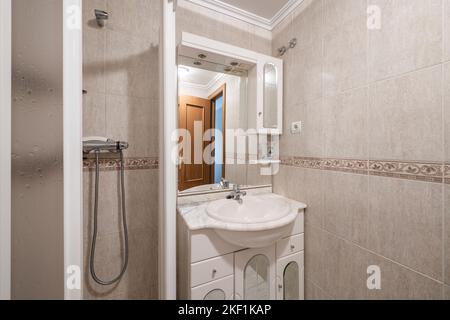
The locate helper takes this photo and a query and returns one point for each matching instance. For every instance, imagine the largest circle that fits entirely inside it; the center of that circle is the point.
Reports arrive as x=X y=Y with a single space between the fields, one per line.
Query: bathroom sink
x=258 y=222
x=253 y=210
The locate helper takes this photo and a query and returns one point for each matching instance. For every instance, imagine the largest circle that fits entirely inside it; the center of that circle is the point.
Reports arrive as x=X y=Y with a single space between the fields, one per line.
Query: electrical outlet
x=296 y=127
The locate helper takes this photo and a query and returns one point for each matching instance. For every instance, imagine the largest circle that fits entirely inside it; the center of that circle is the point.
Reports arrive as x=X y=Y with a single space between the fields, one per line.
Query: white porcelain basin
x=258 y=222
x=253 y=210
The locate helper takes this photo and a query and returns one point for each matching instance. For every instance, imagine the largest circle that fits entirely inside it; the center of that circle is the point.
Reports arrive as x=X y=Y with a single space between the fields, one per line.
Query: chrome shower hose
x=124 y=223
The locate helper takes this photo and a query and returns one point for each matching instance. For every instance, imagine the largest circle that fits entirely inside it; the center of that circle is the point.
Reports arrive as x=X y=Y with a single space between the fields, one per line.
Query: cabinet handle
x=280 y=286
x=214 y=272
x=292 y=247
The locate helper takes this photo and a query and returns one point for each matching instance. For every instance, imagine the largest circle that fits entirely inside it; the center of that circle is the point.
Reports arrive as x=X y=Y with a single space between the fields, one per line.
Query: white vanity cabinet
x=211 y=268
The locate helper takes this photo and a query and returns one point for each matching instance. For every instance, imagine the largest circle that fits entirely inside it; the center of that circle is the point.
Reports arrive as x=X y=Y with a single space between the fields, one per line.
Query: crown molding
x=243 y=15
x=205 y=87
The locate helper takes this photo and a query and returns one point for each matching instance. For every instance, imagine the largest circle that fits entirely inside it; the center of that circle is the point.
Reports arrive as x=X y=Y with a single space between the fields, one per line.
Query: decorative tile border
x=447 y=173
x=421 y=171
x=429 y=172
x=114 y=164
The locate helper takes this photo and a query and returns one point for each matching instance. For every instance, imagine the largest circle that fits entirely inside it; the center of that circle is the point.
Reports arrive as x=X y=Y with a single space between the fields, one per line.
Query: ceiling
x=264 y=8
x=196 y=76
x=266 y=14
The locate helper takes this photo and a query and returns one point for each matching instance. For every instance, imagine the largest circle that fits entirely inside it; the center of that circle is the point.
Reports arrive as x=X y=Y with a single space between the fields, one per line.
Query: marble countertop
x=196 y=217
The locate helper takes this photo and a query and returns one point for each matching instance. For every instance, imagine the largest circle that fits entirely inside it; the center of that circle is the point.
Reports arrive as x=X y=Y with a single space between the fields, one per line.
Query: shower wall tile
x=446 y=292
x=94 y=45
x=131 y=66
x=447 y=235
x=400 y=283
x=143 y=23
x=405 y=223
x=346 y=125
x=109 y=221
x=405 y=117
x=346 y=206
x=94 y=114
x=446 y=107
x=410 y=37
x=446 y=30
x=121 y=75
x=139 y=282
x=134 y=120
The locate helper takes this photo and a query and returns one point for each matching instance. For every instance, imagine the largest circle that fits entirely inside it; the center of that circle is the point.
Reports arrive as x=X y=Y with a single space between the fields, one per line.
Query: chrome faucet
x=224 y=184
x=237 y=194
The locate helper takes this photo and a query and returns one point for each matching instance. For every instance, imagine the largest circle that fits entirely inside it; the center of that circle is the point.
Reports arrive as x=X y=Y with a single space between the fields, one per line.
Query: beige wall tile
x=346 y=206
x=134 y=120
x=109 y=220
x=446 y=77
x=405 y=117
x=314 y=254
x=410 y=37
x=446 y=30
x=131 y=67
x=405 y=223
x=306 y=70
x=344 y=46
x=139 y=282
x=94 y=114
x=216 y=26
x=308 y=24
x=141 y=18
x=446 y=292
x=346 y=125
x=304 y=185
x=339 y=13
x=344 y=269
x=399 y=283
x=94 y=45
x=312 y=292
x=310 y=142
x=447 y=234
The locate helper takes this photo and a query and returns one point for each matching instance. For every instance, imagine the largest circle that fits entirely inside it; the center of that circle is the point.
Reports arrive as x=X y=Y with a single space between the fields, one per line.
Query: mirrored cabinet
x=272 y=99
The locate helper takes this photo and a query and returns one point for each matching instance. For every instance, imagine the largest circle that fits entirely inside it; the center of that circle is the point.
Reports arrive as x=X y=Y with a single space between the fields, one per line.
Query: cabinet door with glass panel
x=290 y=274
x=255 y=274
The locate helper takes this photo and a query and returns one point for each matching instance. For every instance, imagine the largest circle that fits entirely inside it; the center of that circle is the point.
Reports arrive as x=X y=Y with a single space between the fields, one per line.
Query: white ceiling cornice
x=237 y=13
x=206 y=87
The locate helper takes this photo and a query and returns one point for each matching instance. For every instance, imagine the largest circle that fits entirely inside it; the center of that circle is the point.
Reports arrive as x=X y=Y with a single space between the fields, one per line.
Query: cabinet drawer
x=210 y=270
x=206 y=244
x=222 y=289
x=290 y=245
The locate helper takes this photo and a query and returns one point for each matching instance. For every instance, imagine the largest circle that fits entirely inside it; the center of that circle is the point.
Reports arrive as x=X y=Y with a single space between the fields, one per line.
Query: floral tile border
x=114 y=164
x=420 y=171
x=447 y=173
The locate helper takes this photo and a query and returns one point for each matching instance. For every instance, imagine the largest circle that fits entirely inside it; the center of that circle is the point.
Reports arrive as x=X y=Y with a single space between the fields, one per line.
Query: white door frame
x=5 y=147
x=73 y=159
x=168 y=169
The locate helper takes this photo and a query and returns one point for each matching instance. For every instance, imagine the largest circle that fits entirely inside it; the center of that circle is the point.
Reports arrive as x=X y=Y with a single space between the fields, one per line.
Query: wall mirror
x=220 y=93
x=270 y=96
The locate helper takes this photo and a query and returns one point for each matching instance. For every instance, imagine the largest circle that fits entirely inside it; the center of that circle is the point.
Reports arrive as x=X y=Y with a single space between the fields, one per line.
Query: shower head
x=101 y=17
